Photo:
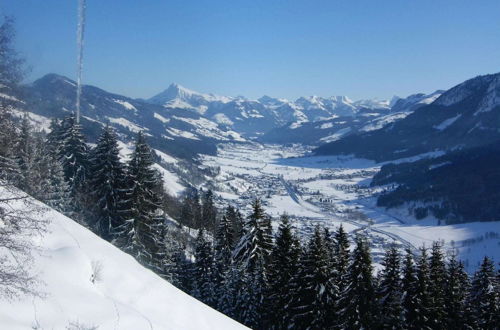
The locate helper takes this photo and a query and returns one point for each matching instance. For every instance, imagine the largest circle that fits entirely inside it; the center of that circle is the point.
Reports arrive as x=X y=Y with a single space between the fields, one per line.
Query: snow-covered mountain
x=85 y=281
x=253 y=118
x=359 y=116
x=467 y=115
x=173 y=130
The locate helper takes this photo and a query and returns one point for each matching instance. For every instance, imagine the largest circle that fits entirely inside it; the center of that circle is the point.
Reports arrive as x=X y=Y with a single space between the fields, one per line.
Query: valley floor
x=334 y=190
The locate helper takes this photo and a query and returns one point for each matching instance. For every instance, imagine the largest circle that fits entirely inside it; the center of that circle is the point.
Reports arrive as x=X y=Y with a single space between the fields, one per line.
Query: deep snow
x=125 y=296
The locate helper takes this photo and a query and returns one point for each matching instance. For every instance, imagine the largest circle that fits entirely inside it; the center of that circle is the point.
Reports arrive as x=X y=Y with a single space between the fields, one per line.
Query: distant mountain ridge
x=255 y=117
x=174 y=131
x=465 y=116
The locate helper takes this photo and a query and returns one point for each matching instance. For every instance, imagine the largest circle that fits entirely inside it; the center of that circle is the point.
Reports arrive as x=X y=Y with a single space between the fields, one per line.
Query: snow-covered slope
x=125 y=295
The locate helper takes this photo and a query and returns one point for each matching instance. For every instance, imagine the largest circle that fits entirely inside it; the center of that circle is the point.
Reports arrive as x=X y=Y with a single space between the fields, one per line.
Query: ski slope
x=123 y=296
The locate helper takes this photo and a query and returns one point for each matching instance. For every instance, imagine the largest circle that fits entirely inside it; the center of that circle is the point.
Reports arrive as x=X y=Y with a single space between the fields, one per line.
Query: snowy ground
x=332 y=190
x=124 y=295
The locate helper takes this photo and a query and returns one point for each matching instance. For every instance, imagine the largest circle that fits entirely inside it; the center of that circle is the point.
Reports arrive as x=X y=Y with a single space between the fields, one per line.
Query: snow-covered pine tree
x=235 y=294
x=25 y=154
x=422 y=295
x=341 y=258
x=107 y=185
x=315 y=292
x=455 y=293
x=359 y=298
x=389 y=291
x=284 y=267
x=437 y=281
x=142 y=234
x=203 y=288
x=409 y=289
x=236 y=219
x=484 y=300
x=74 y=156
x=209 y=211
x=256 y=243
x=223 y=249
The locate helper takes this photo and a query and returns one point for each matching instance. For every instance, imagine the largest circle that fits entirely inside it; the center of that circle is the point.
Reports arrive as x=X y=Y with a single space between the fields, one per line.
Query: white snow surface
x=127 y=295
x=448 y=122
x=334 y=190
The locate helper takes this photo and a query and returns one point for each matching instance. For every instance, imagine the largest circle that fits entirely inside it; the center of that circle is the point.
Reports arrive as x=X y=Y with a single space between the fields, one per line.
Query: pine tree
x=422 y=294
x=256 y=243
x=223 y=248
x=74 y=156
x=203 y=270
x=359 y=297
x=236 y=219
x=25 y=152
x=142 y=234
x=234 y=295
x=314 y=302
x=410 y=289
x=108 y=186
x=457 y=286
x=483 y=299
x=209 y=211
x=341 y=258
x=284 y=266
x=437 y=280
x=389 y=293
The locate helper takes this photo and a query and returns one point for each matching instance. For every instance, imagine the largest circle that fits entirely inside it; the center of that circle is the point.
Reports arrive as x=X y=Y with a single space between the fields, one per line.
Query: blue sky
x=282 y=48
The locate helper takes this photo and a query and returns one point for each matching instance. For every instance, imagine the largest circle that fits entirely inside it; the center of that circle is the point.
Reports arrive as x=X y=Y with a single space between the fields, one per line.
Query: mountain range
x=465 y=116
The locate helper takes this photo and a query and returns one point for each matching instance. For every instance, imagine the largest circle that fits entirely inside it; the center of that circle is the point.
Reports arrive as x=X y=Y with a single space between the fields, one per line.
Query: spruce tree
x=107 y=185
x=223 y=248
x=25 y=152
x=209 y=211
x=74 y=156
x=341 y=258
x=256 y=243
x=410 y=288
x=437 y=281
x=422 y=295
x=236 y=219
x=484 y=300
x=359 y=298
x=456 y=289
x=142 y=234
x=389 y=292
x=315 y=292
x=284 y=267
x=203 y=270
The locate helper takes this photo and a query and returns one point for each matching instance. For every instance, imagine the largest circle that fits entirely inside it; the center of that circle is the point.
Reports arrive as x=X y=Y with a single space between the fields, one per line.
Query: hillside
x=123 y=296
x=467 y=115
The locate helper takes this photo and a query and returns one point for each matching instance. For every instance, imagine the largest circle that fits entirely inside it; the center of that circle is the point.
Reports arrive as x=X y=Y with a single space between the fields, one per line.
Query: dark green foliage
x=209 y=211
x=256 y=243
x=143 y=232
x=74 y=155
x=390 y=295
x=359 y=298
x=484 y=301
x=315 y=292
x=203 y=270
x=455 y=295
x=223 y=249
x=409 y=288
x=284 y=266
x=422 y=294
x=107 y=185
x=437 y=284
x=341 y=258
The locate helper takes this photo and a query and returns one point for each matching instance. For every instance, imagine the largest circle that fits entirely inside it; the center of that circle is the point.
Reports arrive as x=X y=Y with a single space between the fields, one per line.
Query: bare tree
x=20 y=221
